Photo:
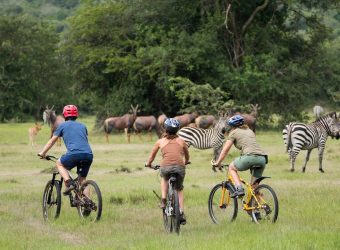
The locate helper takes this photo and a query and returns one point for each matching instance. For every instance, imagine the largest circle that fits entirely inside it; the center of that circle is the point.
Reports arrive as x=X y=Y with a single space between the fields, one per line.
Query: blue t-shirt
x=74 y=135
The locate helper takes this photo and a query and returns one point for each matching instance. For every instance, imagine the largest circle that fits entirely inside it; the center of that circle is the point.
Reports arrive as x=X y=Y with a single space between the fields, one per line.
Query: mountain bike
x=171 y=212
x=86 y=197
x=260 y=201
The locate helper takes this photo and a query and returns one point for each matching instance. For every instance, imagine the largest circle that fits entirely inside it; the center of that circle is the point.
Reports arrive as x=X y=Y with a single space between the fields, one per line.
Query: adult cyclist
x=79 y=151
x=252 y=156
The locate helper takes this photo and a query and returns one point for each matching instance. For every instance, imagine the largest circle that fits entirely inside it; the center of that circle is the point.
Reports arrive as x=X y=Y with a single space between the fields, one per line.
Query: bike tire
x=267 y=210
x=176 y=217
x=51 y=204
x=228 y=211
x=90 y=204
x=167 y=211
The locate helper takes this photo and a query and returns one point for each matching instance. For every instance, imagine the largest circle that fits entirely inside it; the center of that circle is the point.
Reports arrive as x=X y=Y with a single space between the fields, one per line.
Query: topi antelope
x=124 y=122
x=53 y=121
x=146 y=123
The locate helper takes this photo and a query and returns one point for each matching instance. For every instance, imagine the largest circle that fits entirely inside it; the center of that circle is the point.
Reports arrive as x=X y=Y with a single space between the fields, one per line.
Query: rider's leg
x=63 y=171
x=181 y=200
x=234 y=174
x=164 y=187
x=164 y=191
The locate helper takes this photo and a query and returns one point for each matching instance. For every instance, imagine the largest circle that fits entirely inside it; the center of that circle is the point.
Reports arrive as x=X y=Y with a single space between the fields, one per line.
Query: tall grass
x=309 y=203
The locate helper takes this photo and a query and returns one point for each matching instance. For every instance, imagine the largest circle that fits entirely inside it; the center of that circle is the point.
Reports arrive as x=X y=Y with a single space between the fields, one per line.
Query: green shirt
x=244 y=140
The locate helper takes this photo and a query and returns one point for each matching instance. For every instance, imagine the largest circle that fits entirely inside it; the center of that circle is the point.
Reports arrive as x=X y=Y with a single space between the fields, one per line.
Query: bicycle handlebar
x=156 y=167
x=48 y=157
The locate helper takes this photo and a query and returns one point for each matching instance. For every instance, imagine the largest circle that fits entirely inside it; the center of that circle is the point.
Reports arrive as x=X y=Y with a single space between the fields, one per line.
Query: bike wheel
x=90 y=201
x=266 y=205
x=176 y=216
x=51 y=201
x=171 y=213
x=222 y=211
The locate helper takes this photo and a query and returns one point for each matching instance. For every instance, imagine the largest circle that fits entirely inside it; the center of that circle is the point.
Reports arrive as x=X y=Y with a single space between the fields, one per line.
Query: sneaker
x=182 y=219
x=239 y=192
x=162 y=205
x=258 y=215
x=71 y=186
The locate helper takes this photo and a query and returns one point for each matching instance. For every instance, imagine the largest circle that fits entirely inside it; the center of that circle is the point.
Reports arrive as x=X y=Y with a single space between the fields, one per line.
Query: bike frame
x=246 y=201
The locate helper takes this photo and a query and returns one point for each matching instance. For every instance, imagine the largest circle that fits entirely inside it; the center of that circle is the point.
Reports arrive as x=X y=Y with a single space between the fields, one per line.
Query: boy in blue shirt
x=74 y=135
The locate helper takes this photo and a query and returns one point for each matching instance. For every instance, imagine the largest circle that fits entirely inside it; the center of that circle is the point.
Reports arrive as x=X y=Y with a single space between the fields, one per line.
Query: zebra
x=206 y=138
x=318 y=111
x=299 y=136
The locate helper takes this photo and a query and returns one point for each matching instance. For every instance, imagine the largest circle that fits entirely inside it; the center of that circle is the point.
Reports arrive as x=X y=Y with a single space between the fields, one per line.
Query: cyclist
x=173 y=150
x=79 y=151
x=252 y=156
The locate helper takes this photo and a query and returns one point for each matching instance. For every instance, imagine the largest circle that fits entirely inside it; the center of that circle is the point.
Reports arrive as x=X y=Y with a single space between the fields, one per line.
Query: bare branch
x=250 y=19
x=226 y=18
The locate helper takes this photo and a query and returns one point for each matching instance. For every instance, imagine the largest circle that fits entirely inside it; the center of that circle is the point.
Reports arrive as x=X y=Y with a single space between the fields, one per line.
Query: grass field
x=309 y=215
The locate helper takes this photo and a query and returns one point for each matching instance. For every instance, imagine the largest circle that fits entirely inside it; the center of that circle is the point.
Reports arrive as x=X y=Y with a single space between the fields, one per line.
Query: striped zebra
x=299 y=136
x=205 y=138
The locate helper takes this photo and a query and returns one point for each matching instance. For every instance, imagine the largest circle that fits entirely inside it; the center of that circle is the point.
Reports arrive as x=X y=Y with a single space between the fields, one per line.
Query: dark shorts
x=167 y=171
x=81 y=161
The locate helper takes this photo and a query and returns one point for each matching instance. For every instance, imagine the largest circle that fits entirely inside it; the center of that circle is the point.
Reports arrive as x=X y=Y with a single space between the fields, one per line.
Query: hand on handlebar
x=42 y=156
x=214 y=166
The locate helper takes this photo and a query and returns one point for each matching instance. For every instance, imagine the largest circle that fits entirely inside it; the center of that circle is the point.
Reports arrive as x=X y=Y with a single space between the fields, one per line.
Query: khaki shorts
x=256 y=164
x=166 y=172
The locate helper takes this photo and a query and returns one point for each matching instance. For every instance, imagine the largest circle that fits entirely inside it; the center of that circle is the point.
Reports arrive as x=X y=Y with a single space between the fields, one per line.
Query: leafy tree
x=202 y=98
x=31 y=75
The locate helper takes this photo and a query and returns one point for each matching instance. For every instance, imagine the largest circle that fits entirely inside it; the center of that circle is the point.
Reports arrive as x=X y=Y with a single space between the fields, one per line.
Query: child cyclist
x=252 y=156
x=173 y=149
x=74 y=135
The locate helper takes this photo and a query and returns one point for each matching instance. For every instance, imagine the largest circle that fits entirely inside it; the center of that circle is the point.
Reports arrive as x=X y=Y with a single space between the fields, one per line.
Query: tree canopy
x=279 y=54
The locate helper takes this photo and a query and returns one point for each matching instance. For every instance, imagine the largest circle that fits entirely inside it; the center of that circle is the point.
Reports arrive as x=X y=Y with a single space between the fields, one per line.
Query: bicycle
x=86 y=197
x=171 y=212
x=260 y=203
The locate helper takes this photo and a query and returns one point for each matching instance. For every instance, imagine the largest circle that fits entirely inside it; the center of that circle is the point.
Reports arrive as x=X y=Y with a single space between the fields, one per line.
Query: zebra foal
x=205 y=138
x=299 y=136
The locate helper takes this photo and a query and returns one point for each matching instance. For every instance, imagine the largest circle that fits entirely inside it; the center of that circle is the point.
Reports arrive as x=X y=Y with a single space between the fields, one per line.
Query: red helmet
x=70 y=110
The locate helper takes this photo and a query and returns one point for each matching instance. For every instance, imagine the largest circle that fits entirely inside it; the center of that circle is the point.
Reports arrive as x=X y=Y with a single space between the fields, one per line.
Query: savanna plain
x=309 y=207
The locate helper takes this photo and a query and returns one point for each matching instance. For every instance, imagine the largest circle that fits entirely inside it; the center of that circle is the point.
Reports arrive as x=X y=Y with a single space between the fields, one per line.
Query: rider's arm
x=153 y=153
x=49 y=145
x=186 y=153
x=224 y=152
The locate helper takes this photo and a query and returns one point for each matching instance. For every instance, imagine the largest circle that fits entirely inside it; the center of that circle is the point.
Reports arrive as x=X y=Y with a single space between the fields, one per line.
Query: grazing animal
x=53 y=121
x=299 y=136
x=205 y=138
x=161 y=119
x=318 y=111
x=32 y=133
x=249 y=119
x=146 y=123
x=205 y=121
x=124 y=122
x=186 y=119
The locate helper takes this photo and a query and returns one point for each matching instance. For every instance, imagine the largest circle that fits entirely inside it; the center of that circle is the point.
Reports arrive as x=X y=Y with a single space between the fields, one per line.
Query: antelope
x=146 y=123
x=161 y=119
x=53 y=121
x=121 y=122
x=205 y=121
x=32 y=133
x=186 y=119
x=249 y=119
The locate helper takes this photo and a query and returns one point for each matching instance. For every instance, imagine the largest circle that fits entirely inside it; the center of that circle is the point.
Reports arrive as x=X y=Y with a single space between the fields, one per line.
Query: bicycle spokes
x=265 y=205
x=90 y=201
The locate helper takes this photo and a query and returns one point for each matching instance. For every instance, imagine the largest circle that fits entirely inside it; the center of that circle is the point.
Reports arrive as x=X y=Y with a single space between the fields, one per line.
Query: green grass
x=309 y=203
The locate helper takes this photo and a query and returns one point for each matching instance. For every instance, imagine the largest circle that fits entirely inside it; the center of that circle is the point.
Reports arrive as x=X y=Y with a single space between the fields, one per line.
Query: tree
x=31 y=74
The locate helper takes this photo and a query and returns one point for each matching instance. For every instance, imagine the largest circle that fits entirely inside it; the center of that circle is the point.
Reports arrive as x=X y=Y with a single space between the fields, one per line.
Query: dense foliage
x=278 y=54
